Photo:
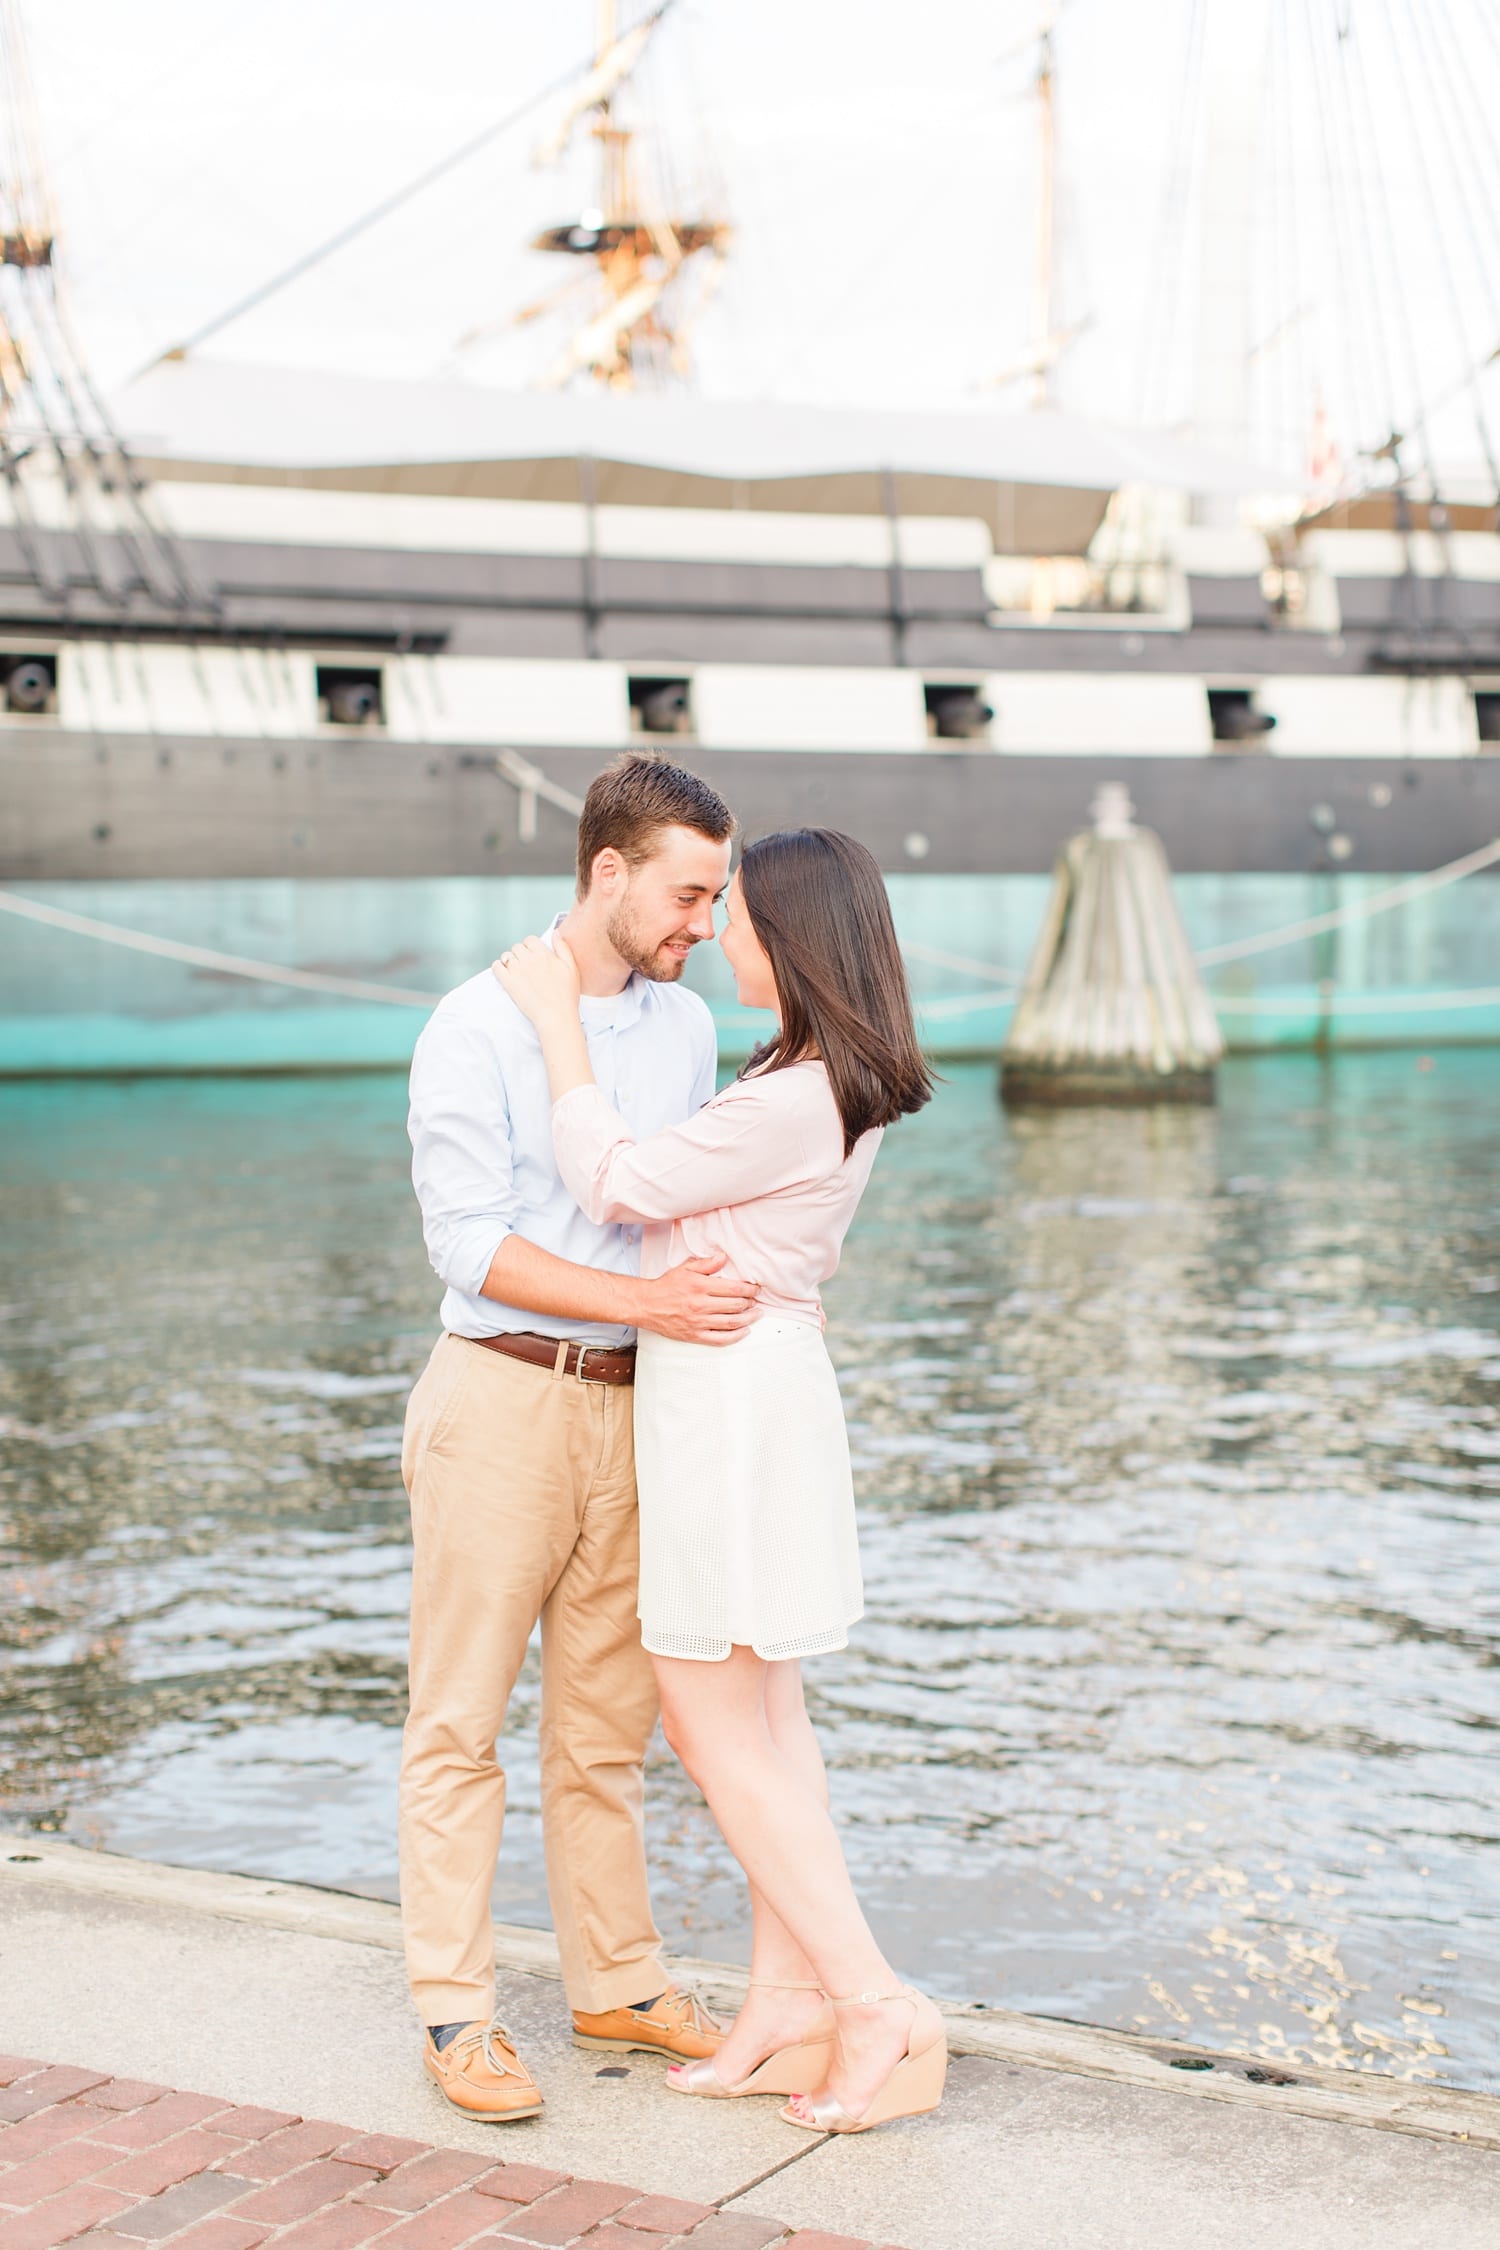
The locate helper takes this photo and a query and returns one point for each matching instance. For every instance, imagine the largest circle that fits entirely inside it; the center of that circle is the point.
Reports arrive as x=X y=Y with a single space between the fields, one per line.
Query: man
x=519 y=1457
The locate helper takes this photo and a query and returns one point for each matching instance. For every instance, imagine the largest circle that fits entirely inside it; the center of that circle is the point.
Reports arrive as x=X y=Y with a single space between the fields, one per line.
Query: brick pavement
x=123 y=2165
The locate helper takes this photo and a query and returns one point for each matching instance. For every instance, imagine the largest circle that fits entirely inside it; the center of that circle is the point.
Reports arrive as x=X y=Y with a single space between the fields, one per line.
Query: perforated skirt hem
x=699 y=1648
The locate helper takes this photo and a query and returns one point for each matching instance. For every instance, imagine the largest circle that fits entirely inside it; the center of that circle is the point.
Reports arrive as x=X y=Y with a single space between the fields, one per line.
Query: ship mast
x=644 y=261
x=1050 y=340
x=1046 y=261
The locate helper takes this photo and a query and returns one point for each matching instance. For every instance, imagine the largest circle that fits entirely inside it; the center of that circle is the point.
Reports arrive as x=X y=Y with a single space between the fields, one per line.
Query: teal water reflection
x=1179 y=1447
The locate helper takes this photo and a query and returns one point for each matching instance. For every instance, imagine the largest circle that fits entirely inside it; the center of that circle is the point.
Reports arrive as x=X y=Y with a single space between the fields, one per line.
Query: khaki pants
x=522 y=1487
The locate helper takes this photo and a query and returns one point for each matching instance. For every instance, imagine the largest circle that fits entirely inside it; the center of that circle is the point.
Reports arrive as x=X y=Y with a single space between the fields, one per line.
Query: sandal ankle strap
x=778 y=1984
x=869 y=1999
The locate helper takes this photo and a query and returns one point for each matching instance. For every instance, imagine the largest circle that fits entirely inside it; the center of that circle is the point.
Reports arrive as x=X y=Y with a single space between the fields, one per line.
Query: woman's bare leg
x=771 y=1809
x=791 y=1728
x=777 y=2013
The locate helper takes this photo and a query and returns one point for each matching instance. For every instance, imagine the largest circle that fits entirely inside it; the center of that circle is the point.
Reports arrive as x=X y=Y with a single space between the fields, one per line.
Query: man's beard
x=656 y=965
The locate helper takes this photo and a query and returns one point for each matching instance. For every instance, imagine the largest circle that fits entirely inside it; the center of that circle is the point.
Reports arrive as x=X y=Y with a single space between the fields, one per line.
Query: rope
x=378 y=211
x=354 y=988
x=1164 y=293
x=1357 y=353
x=965 y=1004
x=1281 y=309
x=915 y=950
x=527 y=777
x=1239 y=949
x=1416 y=887
x=1305 y=1004
x=1350 y=167
x=1354 y=1003
x=1400 y=310
x=1438 y=205
x=202 y=957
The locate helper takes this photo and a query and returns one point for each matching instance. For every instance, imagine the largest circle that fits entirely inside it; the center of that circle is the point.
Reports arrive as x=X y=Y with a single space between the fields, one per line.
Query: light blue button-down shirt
x=481 y=1135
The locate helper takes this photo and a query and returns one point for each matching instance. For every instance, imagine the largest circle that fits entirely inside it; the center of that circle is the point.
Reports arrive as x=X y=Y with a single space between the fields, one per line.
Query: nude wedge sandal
x=914 y=2086
x=784 y=2072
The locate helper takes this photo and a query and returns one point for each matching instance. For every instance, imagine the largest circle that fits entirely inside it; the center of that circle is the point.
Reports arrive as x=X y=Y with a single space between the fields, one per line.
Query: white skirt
x=747 y=1505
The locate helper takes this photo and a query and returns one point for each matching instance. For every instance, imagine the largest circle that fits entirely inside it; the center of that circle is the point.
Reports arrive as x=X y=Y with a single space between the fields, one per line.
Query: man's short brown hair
x=634 y=799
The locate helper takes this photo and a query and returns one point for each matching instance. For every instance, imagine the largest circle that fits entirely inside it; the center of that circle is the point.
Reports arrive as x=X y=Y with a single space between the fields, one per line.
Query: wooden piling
x=1114 y=1008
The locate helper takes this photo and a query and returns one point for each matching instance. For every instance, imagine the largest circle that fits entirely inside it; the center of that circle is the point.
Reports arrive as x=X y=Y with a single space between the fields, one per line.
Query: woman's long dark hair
x=817 y=903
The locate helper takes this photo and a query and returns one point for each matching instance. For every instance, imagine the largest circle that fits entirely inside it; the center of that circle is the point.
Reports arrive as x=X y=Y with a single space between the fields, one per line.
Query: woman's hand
x=544 y=983
x=542 y=980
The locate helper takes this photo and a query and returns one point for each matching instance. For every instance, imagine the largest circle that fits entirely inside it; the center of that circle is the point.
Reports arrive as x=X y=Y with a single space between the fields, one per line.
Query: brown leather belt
x=591 y=1363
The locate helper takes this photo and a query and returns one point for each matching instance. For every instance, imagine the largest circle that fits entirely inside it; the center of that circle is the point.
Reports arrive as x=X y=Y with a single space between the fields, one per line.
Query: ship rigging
x=430 y=611
x=650 y=272
x=81 y=516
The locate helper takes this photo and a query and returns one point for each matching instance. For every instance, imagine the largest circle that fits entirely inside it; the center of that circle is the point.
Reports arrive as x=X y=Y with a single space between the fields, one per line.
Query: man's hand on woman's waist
x=695 y=1303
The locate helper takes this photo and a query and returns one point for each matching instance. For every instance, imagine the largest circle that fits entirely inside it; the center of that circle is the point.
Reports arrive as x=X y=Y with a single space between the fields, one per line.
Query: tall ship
x=302 y=677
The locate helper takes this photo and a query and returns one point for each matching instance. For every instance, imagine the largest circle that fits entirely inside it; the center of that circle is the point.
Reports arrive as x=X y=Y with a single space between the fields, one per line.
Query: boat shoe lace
x=482 y=2037
x=685 y=2011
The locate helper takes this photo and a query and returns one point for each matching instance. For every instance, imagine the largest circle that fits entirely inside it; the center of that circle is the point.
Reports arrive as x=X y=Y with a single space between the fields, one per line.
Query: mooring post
x=1113 y=1007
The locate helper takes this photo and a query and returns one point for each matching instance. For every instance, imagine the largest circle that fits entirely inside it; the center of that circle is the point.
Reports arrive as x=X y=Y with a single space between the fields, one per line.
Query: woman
x=749 y=1559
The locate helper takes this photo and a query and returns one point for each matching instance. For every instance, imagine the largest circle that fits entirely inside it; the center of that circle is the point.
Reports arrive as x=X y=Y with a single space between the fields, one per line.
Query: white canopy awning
x=1040 y=480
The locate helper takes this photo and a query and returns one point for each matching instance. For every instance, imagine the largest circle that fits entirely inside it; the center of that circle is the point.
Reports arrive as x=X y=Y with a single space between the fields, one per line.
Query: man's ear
x=607 y=872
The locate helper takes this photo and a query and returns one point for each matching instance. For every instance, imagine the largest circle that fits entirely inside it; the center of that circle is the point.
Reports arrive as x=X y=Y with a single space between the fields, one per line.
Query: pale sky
x=879 y=164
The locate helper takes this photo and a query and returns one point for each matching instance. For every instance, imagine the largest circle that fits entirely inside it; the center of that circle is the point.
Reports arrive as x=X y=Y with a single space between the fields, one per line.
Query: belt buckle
x=583 y=1353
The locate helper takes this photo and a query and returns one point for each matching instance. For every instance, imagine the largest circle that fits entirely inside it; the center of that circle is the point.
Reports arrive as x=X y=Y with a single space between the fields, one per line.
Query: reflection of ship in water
x=295 y=669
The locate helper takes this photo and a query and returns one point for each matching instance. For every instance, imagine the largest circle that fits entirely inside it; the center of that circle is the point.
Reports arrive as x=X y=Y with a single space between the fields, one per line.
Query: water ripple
x=1177 y=1444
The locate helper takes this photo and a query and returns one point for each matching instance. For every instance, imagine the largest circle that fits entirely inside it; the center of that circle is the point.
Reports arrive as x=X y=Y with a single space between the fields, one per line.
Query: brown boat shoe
x=480 y=2073
x=676 y=2025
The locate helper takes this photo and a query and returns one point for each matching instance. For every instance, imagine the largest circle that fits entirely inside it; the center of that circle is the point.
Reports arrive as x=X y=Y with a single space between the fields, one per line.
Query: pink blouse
x=759 y=1173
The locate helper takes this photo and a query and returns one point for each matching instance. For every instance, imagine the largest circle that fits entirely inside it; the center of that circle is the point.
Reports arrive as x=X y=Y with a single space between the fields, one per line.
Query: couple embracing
x=632 y=1265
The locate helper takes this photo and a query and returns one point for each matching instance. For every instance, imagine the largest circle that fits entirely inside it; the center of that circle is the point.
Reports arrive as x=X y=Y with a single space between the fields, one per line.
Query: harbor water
x=1178 y=1447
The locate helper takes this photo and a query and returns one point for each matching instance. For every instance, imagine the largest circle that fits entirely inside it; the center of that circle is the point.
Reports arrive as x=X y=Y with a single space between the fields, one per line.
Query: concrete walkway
x=1054 y=2137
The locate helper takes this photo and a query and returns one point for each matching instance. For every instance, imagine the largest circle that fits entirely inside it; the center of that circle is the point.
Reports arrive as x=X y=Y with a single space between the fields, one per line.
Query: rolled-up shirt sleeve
x=463 y=1160
x=743 y=1145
